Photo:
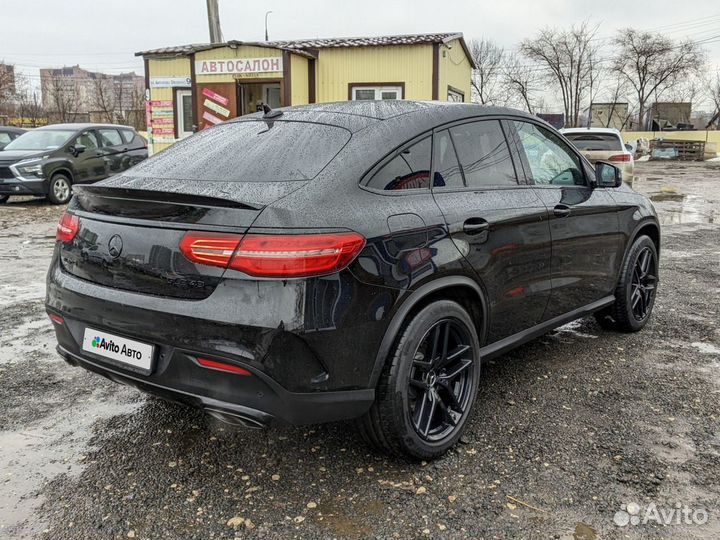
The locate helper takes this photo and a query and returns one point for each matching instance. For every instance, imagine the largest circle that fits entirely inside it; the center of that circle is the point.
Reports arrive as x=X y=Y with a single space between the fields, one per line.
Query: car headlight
x=29 y=168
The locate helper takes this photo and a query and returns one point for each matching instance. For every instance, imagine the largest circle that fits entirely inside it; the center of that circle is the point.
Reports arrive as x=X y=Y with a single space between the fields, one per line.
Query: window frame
x=392 y=155
x=99 y=131
x=91 y=132
x=377 y=87
x=457 y=91
x=519 y=171
x=178 y=94
x=585 y=169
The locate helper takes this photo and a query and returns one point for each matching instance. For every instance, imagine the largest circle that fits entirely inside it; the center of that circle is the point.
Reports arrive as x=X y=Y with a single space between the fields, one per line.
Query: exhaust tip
x=235 y=419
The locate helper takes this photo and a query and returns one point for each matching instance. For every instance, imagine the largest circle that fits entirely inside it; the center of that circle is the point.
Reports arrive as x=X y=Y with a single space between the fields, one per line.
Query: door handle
x=475 y=226
x=561 y=210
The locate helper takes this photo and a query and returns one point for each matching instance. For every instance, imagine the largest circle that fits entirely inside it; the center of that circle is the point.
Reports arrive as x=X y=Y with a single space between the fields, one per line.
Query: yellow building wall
x=707 y=136
x=299 y=80
x=338 y=67
x=244 y=51
x=455 y=70
x=166 y=67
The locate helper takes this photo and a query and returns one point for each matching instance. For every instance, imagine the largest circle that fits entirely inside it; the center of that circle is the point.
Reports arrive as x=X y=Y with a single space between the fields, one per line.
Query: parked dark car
x=347 y=260
x=9 y=133
x=48 y=161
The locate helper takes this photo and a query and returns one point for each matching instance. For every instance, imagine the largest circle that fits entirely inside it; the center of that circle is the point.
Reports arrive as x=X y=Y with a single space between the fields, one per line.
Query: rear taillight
x=214 y=249
x=620 y=157
x=296 y=255
x=281 y=256
x=68 y=227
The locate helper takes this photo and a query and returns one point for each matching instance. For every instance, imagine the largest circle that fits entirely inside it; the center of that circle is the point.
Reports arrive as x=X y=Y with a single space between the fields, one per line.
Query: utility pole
x=214 y=21
x=266 y=32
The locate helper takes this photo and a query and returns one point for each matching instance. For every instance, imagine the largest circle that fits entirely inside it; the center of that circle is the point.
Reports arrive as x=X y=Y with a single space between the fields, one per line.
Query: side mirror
x=77 y=149
x=607 y=174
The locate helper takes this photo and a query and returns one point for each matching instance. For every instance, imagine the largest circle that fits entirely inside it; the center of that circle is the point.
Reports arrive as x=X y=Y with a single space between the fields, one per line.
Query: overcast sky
x=103 y=35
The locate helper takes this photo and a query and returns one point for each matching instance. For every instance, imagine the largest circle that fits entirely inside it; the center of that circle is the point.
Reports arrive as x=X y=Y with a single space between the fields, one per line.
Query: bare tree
x=27 y=99
x=64 y=97
x=520 y=81
x=568 y=58
x=653 y=64
x=104 y=101
x=713 y=92
x=487 y=76
x=7 y=88
x=618 y=116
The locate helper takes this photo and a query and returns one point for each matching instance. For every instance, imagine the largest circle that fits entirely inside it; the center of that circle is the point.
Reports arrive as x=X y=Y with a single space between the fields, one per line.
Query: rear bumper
x=22 y=187
x=261 y=403
x=298 y=375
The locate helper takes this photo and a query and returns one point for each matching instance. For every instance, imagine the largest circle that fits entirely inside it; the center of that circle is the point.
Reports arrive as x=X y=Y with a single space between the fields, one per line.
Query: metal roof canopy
x=306 y=47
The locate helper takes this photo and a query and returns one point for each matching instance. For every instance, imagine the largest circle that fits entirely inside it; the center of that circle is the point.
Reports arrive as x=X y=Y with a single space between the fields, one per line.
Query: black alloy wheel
x=427 y=388
x=441 y=379
x=635 y=292
x=643 y=284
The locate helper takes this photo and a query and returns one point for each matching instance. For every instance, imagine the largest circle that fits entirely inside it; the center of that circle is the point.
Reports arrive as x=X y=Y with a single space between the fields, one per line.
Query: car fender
x=413 y=299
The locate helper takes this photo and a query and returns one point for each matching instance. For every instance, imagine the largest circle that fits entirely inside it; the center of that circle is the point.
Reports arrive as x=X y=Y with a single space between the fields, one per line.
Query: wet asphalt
x=567 y=431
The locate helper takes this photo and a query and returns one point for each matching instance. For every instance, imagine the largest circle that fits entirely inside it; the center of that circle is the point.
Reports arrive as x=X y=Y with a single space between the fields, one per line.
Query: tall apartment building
x=73 y=94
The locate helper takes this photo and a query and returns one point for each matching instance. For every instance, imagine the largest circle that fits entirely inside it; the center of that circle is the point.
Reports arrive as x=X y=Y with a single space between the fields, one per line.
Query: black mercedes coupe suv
x=347 y=260
x=48 y=161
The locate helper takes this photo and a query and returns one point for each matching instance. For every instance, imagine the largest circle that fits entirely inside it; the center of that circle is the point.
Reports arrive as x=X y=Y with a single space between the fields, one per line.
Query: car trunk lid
x=130 y=238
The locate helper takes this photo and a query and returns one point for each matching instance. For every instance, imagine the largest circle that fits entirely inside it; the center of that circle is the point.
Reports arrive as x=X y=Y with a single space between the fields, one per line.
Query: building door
x=184 y=113
x=251 y=96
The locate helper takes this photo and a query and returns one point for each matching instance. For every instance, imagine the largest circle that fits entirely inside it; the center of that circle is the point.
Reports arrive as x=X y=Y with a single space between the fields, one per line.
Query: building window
x=360 y=93
x=453 y=94
x=184 y=113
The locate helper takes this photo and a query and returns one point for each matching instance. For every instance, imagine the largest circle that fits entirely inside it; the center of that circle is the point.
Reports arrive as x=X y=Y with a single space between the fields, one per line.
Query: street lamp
x=266 y=16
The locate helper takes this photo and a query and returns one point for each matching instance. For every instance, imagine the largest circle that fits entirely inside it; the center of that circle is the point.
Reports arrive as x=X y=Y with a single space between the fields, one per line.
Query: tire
x=636 y=291
x=60 y=189
x=421 y=406
x=4 y=199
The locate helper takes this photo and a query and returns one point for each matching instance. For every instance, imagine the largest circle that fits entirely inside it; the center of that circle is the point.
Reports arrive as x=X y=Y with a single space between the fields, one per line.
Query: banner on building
x=238 y=65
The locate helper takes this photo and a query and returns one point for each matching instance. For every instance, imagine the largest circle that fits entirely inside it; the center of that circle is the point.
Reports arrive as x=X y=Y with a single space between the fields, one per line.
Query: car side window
x=88 y=140
x=410 y=169
x=551 y=161
x=128 y=135
x=447 y=169
x=484 y=154
x=110 y=137
x=5 y=138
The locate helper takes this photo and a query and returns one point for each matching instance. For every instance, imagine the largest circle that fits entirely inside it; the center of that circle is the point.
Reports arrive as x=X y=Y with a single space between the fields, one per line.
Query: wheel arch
x=63 y=170
x=464 y=290
x=648 y=227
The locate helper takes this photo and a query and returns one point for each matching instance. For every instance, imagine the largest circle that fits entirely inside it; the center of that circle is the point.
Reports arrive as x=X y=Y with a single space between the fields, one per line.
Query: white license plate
x=127 y=351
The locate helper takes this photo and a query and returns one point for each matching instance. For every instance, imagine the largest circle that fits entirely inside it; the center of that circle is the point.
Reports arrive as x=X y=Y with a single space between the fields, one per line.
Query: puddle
x=44 y=450
x=706 y=348
x=661 y=197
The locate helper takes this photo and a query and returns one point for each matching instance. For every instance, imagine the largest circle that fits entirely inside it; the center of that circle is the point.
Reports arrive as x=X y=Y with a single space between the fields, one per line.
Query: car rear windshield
x=249 y=151
x=595 y=141
x=41 y=139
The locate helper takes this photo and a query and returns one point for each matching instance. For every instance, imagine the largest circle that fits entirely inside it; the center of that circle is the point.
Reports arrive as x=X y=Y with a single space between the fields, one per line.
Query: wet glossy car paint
x=315 y=346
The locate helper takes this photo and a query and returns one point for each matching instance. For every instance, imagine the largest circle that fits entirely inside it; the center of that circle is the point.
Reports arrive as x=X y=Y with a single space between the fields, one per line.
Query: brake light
x=68 y=227
x=620 y=157
x=264 y=255
x=296 y=255
x=57 y=319
x=213 y=249
x=222 y=366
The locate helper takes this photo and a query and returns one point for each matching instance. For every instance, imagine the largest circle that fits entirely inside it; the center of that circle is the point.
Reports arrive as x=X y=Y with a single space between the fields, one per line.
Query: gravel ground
x=568 y=431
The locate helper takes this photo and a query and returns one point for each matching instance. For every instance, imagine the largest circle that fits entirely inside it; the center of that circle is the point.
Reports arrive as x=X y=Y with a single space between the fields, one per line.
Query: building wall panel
x=338 y=67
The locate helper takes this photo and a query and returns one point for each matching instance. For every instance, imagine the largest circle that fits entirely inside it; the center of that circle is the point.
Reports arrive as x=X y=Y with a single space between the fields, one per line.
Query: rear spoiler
x=90 y=192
